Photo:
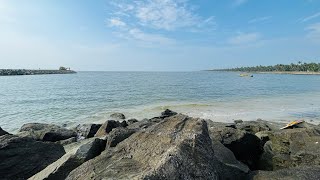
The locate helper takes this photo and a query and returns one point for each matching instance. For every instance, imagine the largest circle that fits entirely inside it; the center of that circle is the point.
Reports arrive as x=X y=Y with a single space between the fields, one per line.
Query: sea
x=90 y=97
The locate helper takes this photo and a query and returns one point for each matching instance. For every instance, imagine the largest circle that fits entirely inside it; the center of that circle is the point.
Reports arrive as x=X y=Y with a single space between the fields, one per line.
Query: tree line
x=300 y=66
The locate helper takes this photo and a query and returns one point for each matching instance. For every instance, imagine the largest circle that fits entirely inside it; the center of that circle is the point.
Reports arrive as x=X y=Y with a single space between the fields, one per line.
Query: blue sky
x=157 y=35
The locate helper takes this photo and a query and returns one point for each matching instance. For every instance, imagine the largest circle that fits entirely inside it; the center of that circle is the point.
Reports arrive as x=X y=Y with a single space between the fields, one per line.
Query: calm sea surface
x=221 y=96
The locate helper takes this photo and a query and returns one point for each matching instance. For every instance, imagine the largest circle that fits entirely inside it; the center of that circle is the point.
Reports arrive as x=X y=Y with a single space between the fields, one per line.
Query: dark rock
x=246 y=147
x=301 y=173
x=167 y=113
x=238 y=121
x=132 y=121
x=265 y=161
x=85 y=131
x=46 y=132
x=22 y=157
x=117 y=116
x=107 y=127
x=124 y=124
x=253 y=126
x=294 y=147
x=80 y=153
x=143 y=124
x=3 y=132
x=117 y=135
x=67 y=141
x=178 y=147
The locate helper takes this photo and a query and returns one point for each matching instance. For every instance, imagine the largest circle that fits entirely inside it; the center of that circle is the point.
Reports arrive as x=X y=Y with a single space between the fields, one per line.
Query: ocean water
x=88 y=97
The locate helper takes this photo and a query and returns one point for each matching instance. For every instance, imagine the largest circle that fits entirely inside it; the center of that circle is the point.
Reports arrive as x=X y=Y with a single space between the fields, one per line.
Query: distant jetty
x=18 y=72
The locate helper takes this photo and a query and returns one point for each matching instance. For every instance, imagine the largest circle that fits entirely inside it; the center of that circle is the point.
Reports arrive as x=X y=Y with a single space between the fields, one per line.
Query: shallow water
x=221 y=96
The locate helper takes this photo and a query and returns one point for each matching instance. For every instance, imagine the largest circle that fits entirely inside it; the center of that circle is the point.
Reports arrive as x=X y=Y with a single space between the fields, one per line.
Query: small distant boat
x=246 y=75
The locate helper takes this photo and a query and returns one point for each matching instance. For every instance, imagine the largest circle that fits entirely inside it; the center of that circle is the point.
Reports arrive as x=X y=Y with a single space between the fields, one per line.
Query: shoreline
x=23 y=72
x=271 y=72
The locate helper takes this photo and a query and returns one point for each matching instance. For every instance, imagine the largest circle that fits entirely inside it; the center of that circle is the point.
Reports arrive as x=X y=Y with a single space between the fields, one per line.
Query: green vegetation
x=299 y=67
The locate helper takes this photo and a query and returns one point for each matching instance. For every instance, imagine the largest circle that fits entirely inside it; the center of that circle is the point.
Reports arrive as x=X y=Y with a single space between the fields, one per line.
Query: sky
x=157 y=35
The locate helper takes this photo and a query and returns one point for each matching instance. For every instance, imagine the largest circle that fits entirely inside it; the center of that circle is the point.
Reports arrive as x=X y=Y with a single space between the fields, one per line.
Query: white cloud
x=244 y=38
x=259 y=19
x=116 y=22
x=314 y=32
x=310 y=17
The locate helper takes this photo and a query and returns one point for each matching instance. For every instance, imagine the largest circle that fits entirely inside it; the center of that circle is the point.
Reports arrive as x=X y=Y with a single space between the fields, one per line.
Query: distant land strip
x=298 y=69
x=17 y=72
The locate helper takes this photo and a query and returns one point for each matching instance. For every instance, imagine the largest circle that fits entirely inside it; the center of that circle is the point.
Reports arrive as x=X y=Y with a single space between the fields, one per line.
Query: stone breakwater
x=170 y=146
x=16 y=72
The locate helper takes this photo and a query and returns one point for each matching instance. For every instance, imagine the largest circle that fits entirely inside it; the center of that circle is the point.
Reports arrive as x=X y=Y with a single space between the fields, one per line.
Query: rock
x=117 y=135
x=124 y=124
x=46 y=132
x=67 y=141
x=143 y=124
x=107 y=127
x=132 y=121
x=238 y=121
x=265 y=161
x=253 y=126
x=167 y=113
x=22 y=157
x=3 y=132
x=301 y=173
x=246 y=147
x=294 y=147
x=178 y=147
x=117 y=116
x=85 y=131
x=79 y=153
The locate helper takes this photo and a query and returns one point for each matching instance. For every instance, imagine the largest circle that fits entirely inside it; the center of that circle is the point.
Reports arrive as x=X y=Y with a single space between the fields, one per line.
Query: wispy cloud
x=259 y=19
x=244 y=38
x=150 y=38
x=314 y=32
x=156 y=17
x=310 y=17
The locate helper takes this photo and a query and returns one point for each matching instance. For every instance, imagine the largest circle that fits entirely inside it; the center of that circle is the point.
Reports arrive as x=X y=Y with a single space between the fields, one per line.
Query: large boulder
x=22 y=157
x=292 y=148
x=77 y=154
x=117 y=135
x=178 y=147
x=246 y=147
x=301 y=173
x=85 y=131
x=46 y=132
x=3 y=132
x=107 y=127
x=168 y=113
x=118 y=116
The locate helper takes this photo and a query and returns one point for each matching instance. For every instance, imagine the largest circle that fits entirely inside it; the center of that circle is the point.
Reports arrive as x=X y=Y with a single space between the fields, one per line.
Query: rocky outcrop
x=85 y=131
x=3 y=132
x=77 y=154
x=167 y=113
x=246 y=147
x=178 y=147
x=117 y=116
x=292 y=148
x=22 y=157
x=46 y=132
x=301 y=173
x=132 y=121
x=107 y=127
x=117 y=135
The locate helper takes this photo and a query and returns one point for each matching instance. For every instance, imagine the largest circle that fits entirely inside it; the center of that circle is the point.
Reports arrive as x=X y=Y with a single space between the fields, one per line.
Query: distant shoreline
x=272 y=72
x=21 y=72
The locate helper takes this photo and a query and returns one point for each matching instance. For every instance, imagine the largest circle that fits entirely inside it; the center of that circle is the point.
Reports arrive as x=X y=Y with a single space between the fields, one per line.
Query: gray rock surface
x=178 y=147
x=299 y=173
x=46 y=132
x=3 y=132
x=167 y=113
x=67 y=141
x=107 y=127
x=117 y=135
x=132 y=121
x=77 y=154
x=22 y=157
x=117 y=116
x=85 y=131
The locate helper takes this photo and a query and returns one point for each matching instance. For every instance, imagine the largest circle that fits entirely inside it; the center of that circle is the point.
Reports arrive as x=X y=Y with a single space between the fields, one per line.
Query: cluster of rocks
x=171 y=146
x=15 y=72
